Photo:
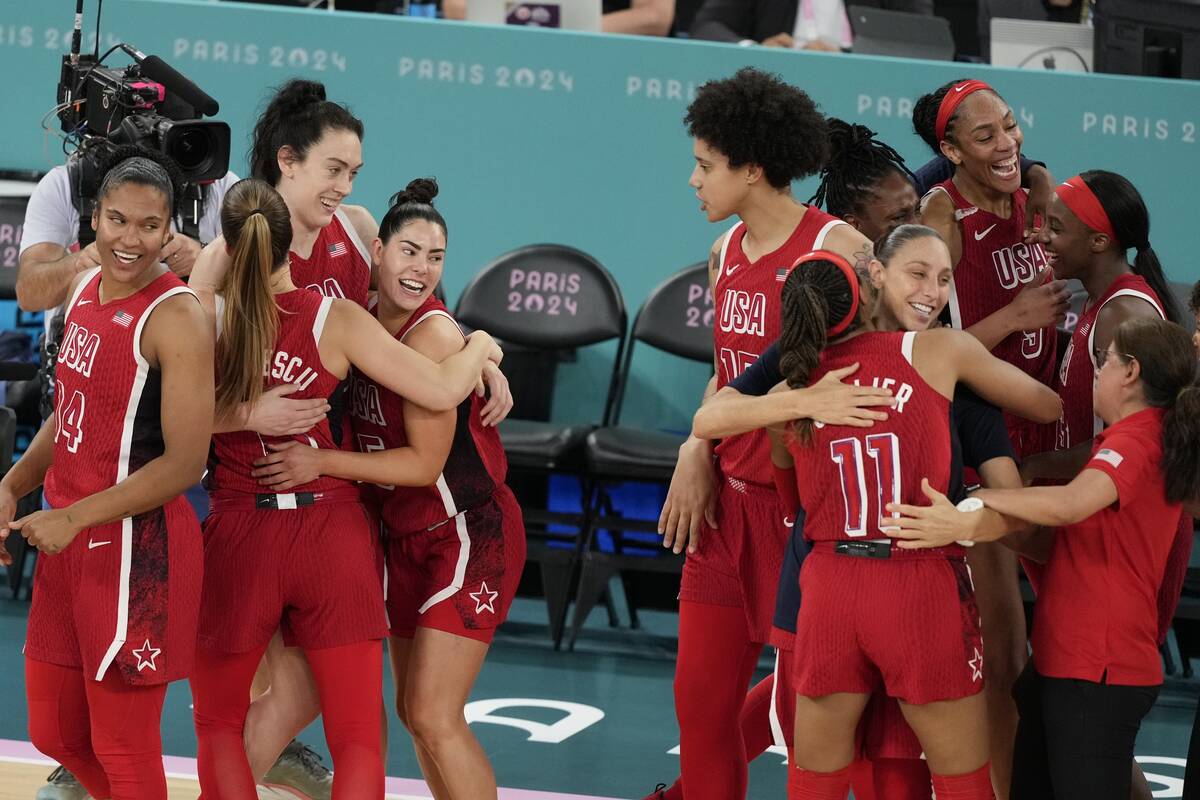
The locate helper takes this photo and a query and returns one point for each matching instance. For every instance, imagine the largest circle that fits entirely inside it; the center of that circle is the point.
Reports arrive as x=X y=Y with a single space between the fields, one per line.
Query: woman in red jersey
x=752 y=135
x=871 y=617
x=301 y=558
x=1002 y=293
x=455 y=539
x=116 y=589
x=1096 y=670
x=310 y=149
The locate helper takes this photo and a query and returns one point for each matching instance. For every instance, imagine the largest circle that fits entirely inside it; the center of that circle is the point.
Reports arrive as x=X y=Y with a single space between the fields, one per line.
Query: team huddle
x=346 y=433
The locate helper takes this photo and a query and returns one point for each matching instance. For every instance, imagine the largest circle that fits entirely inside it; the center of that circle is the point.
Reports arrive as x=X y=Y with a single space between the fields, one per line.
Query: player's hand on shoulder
x=288 y=465
x=834 y=402
x=49 y=531
x=210 y=265
x=691 y=499
x=275 y=414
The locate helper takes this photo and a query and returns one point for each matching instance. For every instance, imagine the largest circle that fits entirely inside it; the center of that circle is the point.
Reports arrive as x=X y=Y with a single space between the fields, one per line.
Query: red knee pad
x=975 y=785
x=805 y=784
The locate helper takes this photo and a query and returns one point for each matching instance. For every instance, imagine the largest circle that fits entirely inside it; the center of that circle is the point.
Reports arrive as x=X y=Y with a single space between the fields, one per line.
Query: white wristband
x=967 y=506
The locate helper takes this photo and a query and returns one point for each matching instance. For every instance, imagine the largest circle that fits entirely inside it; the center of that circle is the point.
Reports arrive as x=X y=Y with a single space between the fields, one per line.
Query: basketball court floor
x=593 y=724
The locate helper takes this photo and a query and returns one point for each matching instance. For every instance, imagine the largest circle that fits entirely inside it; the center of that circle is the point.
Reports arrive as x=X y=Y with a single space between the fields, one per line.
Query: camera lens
x=191 y=149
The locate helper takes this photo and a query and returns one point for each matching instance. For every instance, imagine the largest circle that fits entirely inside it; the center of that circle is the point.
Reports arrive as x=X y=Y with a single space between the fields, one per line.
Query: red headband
x=1078 y=196
x=954 y=96
x=851 y=276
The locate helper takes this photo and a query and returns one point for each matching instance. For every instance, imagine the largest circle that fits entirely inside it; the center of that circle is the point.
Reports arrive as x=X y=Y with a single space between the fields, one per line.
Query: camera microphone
x=158 y=70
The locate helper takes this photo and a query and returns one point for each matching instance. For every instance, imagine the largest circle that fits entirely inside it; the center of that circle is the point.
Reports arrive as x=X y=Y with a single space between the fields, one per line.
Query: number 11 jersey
x=850 y=474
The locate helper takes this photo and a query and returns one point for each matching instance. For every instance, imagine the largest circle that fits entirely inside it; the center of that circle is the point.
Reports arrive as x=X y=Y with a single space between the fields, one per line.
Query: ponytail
x=1181 y=444
x=1130 y=221
x=258 y=230
x=817 y=295
x=1168 y=374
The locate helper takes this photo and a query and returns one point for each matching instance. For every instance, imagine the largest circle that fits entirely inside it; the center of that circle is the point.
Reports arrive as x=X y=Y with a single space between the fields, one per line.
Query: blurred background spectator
x=799 y=24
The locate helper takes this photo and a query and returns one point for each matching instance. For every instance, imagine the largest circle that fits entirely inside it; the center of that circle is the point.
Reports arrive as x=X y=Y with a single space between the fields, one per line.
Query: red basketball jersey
x=994 y=266
x=339 y=264
x=296 y=359
x=107 y=396
x=475 y=467
x=1076 y=374
x=746 y=296
x=850 y=474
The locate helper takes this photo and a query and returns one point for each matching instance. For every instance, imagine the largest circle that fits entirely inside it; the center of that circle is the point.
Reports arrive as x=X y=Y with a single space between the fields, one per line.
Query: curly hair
x=1194 y=300
x=756 y=118
x=857 y=163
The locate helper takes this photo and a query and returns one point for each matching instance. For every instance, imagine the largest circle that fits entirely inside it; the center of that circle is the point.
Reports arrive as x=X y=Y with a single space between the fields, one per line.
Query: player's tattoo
x=863 y=257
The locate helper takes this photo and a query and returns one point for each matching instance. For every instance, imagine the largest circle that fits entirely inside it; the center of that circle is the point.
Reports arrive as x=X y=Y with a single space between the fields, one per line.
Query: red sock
x=755 y=719
x=713 y=669
x=350 y=713
x=902 y=779
x=126 y=721
x=862 y=780
x=220 y=698
x=59 y=723
x=806 y=785
x=975 y=785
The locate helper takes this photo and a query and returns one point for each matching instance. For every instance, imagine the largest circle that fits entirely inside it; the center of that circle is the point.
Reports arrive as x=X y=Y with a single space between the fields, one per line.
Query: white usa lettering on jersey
x=744 y=313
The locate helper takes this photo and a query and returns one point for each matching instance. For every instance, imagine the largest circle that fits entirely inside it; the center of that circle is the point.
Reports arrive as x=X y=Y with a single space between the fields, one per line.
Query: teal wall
x=577 y=138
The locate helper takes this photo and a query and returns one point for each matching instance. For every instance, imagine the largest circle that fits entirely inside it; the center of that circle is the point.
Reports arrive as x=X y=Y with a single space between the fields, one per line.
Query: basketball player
x=1002 y=292
x=932 y=659
x=454 y=535
x=911 y=294
x=306 y=558
x=310 y=149
x=867 y=184
x=1096 y=669
x=114 y=614
x=753 y=135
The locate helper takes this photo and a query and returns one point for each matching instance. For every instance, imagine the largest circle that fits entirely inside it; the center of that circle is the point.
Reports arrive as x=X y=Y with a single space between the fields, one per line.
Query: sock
x=975 y=785
x=804 y=784
x=902 y=779
x=862 y=781
x=713 y=670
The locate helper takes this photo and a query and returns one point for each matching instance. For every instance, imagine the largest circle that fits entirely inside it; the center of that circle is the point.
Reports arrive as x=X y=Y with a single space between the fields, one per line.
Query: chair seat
x=630 y=452
x=543 y=445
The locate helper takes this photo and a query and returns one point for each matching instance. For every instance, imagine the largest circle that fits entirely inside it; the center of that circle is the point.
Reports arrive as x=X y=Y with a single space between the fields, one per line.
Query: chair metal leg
x=556 y=569
x=594 y=576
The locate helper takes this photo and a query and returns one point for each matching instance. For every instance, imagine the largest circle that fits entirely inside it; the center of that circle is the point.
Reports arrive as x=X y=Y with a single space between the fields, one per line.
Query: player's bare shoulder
x=849 y=243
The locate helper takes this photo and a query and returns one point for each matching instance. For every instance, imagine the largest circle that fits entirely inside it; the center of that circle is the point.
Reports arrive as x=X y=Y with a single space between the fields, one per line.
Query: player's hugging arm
x=428 y=436
x=353 y=337
x=996 y=381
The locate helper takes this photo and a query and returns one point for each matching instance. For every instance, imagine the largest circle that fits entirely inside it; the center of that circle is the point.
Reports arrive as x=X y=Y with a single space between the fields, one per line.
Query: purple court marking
x=179 y=767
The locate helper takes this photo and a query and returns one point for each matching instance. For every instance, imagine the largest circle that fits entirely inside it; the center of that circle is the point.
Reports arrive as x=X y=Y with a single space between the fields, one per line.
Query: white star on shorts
x=976 y=665
x=146 y=655
x=484 y=598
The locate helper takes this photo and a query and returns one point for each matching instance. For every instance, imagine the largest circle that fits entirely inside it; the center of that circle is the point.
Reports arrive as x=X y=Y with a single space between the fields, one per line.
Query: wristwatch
x=967 y=506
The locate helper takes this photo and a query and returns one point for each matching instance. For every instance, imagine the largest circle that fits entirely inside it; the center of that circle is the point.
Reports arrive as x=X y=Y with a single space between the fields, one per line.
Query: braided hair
x=857 y=163
x=816 y=295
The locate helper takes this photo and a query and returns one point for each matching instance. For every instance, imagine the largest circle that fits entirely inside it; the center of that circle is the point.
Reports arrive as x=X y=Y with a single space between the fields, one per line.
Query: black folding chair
x=676 y=318
x=549 y=298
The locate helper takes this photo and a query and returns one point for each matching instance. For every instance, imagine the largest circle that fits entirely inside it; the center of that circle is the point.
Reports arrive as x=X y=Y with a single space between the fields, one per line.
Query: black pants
x=1075 y=738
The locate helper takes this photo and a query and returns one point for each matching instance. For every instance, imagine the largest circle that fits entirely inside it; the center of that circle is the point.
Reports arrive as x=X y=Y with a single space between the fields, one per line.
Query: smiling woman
x=1001 y=293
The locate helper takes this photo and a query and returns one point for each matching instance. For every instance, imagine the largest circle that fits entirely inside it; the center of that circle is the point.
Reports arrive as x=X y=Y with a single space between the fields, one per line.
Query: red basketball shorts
x=738 y=564
x=123 y=595
x=460 y=576
x=907 y=625
x=315 y=571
